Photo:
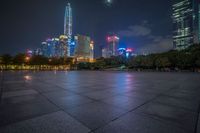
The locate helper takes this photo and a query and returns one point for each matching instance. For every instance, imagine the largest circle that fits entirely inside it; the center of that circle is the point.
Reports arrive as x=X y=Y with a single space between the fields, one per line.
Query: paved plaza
x=99 y=102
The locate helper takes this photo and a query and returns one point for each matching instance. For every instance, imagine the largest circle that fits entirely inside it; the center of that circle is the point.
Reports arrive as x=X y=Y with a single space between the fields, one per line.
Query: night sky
x=142 y=24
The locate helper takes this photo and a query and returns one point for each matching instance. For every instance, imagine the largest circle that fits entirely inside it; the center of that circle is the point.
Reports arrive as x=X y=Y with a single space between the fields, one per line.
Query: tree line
x=7 y=61
x=188 y=59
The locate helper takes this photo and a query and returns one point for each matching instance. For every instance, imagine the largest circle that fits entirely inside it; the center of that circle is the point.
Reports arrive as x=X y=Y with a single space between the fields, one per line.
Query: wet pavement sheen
x=99 y=102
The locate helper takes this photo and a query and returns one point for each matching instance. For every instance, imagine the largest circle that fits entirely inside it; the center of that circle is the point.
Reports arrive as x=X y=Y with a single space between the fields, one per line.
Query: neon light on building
x=113 y=45
x=129 y=50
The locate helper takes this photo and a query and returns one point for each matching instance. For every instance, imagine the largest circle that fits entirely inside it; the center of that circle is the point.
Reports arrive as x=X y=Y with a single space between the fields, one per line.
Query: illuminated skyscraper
x=84 y=48
x=68 y=26
x=185 y=23
x=63 y=46
x=91 y=50
x=113 y=42
x=105 y=53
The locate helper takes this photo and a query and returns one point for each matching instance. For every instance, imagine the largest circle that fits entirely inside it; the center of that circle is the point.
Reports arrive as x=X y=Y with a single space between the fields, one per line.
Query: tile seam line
x=124 y=114
x=61 y=109
x=198 y=120
x=69 y=91
x=160 y=94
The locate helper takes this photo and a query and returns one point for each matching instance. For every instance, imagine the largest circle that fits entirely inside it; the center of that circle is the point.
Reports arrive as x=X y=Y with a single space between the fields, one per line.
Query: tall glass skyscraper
x=68 y=26
x=185 y=23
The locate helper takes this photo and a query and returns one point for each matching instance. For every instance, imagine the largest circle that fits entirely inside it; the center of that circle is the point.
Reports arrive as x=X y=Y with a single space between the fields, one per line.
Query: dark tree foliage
x=6 y=59
x=186 y=59
x=39 y=60
x=19 y=59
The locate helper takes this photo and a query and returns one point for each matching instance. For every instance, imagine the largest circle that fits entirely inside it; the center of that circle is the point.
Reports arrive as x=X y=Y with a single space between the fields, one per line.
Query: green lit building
x=186 y=24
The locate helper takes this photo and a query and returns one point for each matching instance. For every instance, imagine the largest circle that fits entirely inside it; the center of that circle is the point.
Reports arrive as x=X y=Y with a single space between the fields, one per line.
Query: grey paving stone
x=178 y=102
x=98 y=95
x=10 y=113
x=15 y=88
x=58 y=94
x=124 y=102
x=114 y=93
x=95 y=115
x=18 y=93
x=184 y=95
x=134 y=123
x=178 y=116
x=71 y=101
x=26 y=99
x=46 y=88
x=140 y=95
x=82 y=90
x=58 y=122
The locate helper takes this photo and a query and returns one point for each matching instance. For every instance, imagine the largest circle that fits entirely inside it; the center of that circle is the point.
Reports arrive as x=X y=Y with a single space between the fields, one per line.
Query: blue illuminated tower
x=68 y=26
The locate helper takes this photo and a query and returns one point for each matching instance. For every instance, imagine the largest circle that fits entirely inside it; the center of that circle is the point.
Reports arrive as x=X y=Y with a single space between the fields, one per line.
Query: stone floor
x=99 y=102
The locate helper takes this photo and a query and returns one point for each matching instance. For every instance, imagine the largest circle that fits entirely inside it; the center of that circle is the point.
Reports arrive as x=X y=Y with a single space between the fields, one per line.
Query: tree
x=19 y=59
x=147 y=62
x=39 y=60
x=6 y=59
x=198 y=62
x=185 y=60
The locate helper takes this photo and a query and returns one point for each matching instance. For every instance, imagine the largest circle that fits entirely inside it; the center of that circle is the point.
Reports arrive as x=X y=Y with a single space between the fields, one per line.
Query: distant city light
x=122 y=49
x=44 y=43
x=127 y=55
x=29 y=51
x=27 y=77
x=112 y=38
x=72 y=43
x=48 y=39
x=27 y=59
x=63 y=37
x=55 y=39
x=129 y=50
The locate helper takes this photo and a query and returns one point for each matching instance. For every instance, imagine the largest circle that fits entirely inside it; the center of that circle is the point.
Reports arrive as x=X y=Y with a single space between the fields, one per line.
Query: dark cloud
x=157 y=45
x=153 y=43
x=135 y=30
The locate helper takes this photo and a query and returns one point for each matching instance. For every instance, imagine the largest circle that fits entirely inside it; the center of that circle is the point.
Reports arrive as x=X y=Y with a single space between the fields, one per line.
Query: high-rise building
x=92 y=50
x=129 y=52
x=122 y=51
x=84 y=48
x=113 y=42
x=54 y=47
x=44 y=48
x=56 y=44
x=185 y=23
x=72 y=48
x=50 y=48
x=37 y=51
x=63 y=46
x=68 y=26
x=105 y=53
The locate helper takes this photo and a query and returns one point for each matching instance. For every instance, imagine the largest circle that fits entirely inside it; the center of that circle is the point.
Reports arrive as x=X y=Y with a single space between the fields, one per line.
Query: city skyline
x=140 y=30
x=100 y=66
